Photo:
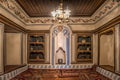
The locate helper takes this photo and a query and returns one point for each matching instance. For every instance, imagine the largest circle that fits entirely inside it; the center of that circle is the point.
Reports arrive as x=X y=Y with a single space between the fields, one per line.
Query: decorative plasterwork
x=13 y=7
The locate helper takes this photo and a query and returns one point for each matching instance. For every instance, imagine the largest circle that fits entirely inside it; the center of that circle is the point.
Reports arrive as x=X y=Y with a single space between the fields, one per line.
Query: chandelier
x=60 y=14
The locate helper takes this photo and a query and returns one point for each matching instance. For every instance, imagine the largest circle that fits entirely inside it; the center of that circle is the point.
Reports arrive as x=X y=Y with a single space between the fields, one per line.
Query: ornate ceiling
x=13 y=7
x=43 y=8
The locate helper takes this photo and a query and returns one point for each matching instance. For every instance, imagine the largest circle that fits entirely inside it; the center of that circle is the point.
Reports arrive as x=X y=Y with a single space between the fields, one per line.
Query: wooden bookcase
x=36 y=48
x=84 y=48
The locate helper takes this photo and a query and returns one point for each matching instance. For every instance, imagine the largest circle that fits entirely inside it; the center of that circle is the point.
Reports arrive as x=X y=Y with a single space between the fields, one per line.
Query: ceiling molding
x=108 y=25
x=11 y=26
x=15 y=9
x=38 y=31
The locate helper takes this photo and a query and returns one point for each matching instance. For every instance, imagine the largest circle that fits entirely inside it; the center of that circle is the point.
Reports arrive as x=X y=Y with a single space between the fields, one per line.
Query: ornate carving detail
x=10 y=5
x=106 y=9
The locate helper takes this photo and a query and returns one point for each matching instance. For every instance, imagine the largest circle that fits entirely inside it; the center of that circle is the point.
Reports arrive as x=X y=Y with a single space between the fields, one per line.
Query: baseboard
x=72 y=66
x=107 y=73
x=13 y=73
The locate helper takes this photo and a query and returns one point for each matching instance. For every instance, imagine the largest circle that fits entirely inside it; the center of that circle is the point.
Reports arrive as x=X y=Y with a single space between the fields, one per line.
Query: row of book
x=80 y=47
x=38 y=47
x=36 y=55
x=36 y=39
x=85 y=55
x=86 y=39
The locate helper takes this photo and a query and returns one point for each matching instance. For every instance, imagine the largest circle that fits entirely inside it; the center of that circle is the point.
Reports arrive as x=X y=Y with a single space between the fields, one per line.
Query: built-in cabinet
x=84 y=48
x=36 y=43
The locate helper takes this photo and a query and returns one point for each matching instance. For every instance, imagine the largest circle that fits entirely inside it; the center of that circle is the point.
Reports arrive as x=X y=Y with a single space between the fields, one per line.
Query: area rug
x=60 y=74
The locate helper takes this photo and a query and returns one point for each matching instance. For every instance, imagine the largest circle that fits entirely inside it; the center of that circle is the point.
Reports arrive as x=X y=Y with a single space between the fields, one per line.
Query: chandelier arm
x=60 y=14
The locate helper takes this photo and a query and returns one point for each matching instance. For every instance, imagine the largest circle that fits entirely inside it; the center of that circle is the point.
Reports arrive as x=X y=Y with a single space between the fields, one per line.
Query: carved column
x=117 y=48
x=24 y=47
x=47 y=50
x=1 y=48
x=73 y=47
x=95 y=48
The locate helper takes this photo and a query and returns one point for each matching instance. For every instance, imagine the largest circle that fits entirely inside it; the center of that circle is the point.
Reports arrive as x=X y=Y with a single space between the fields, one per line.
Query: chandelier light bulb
x=60 y=14
x=53 y=13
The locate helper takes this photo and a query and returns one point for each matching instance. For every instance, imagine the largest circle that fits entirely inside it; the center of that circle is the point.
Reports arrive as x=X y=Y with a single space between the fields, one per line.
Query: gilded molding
x=13 y=7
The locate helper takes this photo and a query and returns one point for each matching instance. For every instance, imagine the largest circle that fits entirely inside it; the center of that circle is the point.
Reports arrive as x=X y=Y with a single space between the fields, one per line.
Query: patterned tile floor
x=60 y=74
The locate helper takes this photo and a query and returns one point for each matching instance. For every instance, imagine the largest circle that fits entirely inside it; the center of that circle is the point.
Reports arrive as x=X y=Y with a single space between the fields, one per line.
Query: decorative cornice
x=37 y=31
x=108 y=25
x=11 y=24
x=13 y=7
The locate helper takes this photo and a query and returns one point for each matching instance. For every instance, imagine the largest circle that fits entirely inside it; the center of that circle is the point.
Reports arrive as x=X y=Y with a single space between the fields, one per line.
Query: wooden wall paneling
x=43 y=8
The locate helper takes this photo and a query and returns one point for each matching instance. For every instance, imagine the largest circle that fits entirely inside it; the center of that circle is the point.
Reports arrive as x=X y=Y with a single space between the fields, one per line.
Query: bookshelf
x=84 y=48
x=36 y=48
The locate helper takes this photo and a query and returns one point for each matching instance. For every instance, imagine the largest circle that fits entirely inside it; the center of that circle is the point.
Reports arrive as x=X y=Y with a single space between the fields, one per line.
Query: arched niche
x=60 y=44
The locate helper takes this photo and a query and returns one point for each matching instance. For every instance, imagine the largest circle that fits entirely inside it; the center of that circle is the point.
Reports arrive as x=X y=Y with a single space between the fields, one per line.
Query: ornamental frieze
x=13 y=7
